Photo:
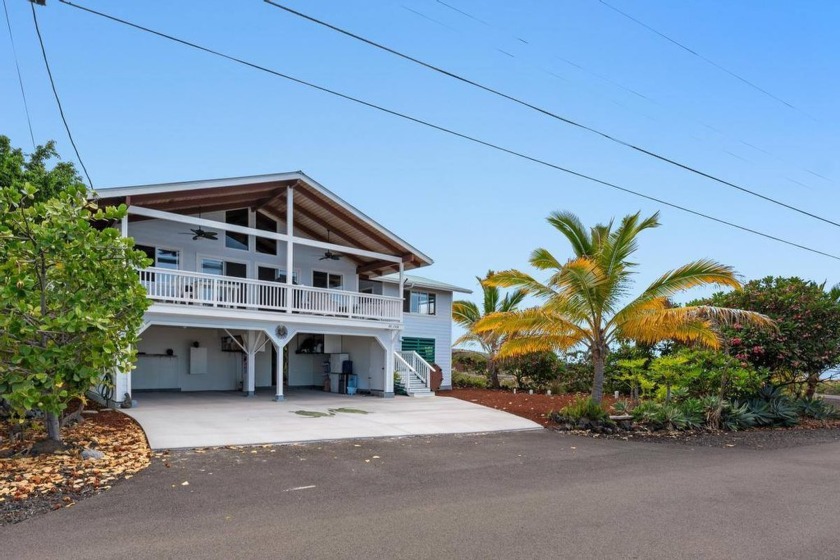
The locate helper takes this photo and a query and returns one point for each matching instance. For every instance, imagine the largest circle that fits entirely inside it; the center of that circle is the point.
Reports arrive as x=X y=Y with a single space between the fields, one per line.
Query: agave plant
x=585 y=299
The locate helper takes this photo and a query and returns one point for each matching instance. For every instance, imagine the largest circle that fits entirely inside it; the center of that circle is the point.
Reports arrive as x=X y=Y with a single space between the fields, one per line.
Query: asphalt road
x=517 y=495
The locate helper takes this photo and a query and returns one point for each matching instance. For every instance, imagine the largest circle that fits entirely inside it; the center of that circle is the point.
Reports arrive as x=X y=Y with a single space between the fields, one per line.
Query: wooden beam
x=222 y=202
x=260 y=204
x=380 y=265
x=350 y=220
x=333 y=233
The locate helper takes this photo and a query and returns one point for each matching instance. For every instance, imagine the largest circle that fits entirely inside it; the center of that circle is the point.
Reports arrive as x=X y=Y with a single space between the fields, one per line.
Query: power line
x=701 y=57
x=20 y=77
x=549 y=113
x=57 y=100
x=443 y=129
x=630 y=90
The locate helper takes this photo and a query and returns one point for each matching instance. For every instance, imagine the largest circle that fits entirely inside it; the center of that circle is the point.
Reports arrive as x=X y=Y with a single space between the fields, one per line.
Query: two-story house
x=274 y=281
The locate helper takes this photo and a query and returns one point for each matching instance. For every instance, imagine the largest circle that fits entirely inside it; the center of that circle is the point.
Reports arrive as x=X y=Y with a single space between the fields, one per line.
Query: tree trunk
x=494 y=374
x=53 y=427
x=813 y=381
x=599 y=357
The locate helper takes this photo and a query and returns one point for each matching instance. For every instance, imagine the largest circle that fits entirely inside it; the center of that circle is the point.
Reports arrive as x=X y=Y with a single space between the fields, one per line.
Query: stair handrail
x=418 y=364
x=406 y=371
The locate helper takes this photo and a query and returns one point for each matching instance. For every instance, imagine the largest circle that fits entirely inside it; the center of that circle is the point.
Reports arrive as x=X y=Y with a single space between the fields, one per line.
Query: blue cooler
x=352 y=383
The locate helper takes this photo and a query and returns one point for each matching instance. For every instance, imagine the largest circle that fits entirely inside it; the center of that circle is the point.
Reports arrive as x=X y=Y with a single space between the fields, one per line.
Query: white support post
x=290 y=246
x=124 y=225
x=251 y=346
x=390 y=366
x=278 y=395
x=402 y=289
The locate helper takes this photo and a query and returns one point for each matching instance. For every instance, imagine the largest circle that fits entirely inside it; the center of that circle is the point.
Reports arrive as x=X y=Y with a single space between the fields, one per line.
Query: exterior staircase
x=413 y=374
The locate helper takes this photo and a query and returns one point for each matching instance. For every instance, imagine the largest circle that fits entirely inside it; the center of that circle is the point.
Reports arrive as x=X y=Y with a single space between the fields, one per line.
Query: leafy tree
x=582 y=298
x=533 y=371
x=670 y=370
x=633 y=372
x=17 y=169
x=70 y=298
x=467 y=314
x=807 y=342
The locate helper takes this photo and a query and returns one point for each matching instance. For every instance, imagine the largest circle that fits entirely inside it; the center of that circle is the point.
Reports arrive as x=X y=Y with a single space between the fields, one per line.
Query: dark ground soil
x=534 y=407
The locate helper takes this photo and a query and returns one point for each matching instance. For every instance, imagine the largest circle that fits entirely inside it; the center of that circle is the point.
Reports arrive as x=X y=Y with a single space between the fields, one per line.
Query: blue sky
x=146 y=110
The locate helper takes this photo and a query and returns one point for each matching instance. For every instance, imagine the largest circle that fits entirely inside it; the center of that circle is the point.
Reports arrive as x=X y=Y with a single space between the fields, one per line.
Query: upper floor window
x=422 y=303
x=265 y=245
x=327 y=280
x=161 y=258
x=235 y=240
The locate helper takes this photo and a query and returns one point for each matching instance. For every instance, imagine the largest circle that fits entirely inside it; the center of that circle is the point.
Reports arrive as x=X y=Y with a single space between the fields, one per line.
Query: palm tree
x=582 y=299
x=467 y=314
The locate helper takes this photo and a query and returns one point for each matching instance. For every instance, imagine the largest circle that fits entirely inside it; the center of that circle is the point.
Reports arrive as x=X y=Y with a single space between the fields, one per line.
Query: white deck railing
x=195 y=288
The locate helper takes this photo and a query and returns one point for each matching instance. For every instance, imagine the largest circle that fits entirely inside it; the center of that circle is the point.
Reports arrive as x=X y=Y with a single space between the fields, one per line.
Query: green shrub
x=468 y=381
x=468 y=361
x=532 y=371
x=659 y=416
x=584 y=408
x=693 y=412
x=737 y=417
x=817 y=409
x=621 y=407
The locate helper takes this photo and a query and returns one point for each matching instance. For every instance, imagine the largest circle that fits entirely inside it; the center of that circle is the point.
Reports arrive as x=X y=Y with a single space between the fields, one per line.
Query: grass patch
x=312 y=413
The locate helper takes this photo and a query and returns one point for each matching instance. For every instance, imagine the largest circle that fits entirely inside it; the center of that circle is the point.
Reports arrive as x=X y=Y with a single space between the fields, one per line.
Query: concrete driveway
x=182 y=420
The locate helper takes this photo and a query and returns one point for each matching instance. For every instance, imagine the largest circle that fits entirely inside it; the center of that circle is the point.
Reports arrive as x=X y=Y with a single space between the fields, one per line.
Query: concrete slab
x=179 y=420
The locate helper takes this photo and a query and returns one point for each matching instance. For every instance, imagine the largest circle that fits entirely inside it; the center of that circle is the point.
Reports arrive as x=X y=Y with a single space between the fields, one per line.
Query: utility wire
x=627 y=89
x=20 y=77
x=548 y=113
x=57 y=100
x=701 y=57
x=443 y=129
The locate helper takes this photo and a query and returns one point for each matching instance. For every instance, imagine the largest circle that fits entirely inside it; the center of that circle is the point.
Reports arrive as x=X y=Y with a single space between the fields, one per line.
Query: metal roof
x=421 y=282
x=317 y=211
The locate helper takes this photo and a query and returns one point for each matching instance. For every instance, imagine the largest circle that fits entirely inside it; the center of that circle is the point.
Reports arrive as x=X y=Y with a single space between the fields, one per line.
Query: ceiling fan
x=200 y=233
x=329 y=255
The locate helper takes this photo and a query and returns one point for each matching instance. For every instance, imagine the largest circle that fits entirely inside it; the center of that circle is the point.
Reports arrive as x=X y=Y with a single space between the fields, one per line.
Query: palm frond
x=704 y=272
x=533 y=320
x=465 y=313
x=542 y=259
x=512 y=300
x=491 y=296
x=572 y=229
x=521 y=346
x=694 y=324
x=622 y=242
x=520 y=280
x=727 y=316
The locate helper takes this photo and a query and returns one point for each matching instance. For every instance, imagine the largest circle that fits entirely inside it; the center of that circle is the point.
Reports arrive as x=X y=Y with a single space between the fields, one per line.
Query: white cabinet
x=332 y=344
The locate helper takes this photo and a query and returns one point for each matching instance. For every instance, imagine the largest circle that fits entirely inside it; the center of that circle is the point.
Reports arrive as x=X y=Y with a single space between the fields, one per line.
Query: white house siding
x=438 y=326
x=172 y=235
x=155 y=370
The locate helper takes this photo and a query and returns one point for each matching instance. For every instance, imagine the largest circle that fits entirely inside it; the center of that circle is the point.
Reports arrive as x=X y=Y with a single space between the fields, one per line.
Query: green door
x=423 y=346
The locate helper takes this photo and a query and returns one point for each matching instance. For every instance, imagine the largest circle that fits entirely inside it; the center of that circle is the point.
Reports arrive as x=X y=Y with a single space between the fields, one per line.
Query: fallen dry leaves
x=65 y=473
